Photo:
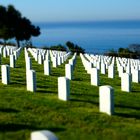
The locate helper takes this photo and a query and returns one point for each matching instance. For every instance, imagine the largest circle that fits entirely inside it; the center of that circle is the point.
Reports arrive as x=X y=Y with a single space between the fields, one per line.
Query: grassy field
x=22 y=112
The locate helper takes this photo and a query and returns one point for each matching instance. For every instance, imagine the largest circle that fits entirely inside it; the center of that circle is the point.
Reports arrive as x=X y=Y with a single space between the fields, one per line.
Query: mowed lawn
x=22 y=112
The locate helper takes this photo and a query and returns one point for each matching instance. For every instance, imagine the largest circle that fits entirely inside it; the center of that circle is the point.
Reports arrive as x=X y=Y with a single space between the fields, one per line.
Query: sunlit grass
x=22 y=112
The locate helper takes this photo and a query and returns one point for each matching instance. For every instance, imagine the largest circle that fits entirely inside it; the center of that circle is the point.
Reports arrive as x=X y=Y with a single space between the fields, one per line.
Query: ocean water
x=94 y=37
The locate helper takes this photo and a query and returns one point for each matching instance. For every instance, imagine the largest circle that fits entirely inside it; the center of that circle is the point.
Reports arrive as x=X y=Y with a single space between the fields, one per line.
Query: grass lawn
x=22 y=112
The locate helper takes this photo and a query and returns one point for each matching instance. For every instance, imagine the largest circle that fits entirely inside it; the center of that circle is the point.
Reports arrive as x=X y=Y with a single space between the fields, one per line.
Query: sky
x=76 y=10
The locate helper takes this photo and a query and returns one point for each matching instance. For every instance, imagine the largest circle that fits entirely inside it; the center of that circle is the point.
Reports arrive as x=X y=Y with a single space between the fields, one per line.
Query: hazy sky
x=77 y=10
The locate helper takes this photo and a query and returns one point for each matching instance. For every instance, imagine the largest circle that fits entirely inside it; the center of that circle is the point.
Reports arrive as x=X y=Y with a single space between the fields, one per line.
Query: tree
x=25 y=30
x=5 y=32
x=74 y=48
x=13 y=25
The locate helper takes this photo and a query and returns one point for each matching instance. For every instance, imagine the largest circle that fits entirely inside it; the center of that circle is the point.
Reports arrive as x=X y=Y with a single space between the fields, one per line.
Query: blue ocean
x=94 y=37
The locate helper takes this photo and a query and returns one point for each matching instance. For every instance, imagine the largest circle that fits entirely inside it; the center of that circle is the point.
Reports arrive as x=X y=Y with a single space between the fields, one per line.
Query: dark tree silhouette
x=13 y=25
x=5 y=32
x=74 y=48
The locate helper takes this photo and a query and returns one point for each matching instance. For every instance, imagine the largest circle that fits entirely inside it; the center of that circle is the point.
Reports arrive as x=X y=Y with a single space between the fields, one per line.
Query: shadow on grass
x=125 y=115
x=85 y=95
x=9 y=110
x=46 y=91
x=56 y=129
x=77 y=79
x=42 y=86
x=128 y=107
x=84 y=101
x=135 y=91
x=19 y=66
x=17 y=83
x=83 y=78
x=16 y=127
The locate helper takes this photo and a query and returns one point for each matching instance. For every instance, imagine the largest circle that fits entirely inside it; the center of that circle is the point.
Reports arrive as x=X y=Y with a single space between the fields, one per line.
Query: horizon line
x=85 y=21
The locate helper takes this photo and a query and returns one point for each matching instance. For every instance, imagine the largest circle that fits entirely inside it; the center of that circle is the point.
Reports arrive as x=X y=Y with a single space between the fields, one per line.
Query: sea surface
x=94 y=37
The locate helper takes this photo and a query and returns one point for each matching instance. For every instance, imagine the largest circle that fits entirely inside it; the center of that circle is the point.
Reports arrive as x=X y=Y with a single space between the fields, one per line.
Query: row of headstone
x=64 y=93
x=5 y=69
x=128 y=69
x=102 y=63
x=38 y=54
x=42 y=57
x=130 y=66
x=10 y=50
x=7 y=50
x=14 y=56
x=94 y=72
x=30 y=73
x=58 y=57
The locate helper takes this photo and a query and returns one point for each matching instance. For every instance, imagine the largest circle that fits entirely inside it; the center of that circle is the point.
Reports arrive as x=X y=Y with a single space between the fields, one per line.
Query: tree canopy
x=14 y=25
x=74 y=48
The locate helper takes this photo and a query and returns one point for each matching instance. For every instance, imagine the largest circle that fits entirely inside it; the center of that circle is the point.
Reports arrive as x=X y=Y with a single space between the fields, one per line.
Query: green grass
x=22 y=112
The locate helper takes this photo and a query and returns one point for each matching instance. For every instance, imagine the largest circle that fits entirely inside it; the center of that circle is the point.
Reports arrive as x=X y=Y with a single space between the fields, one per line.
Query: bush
x=123 y=52
x=111 y=52
x=58 y=48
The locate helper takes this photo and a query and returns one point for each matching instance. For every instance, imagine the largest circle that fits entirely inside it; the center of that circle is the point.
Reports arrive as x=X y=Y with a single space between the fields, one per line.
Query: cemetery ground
x=22 y=112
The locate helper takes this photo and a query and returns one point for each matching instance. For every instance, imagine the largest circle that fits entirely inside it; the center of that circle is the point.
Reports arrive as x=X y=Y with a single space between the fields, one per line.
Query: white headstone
x=106 y=100
x=5 y=70
x=43 y=135
x=126 y=80
x=62 y=59
x=59 y=60
x=31 y=80
x=15 y=54
x=136 y=76
x=98 y=65
x=128 y=68
x=89 y=67
x=8 y=51
x=0 y=59
x=47 y=67
x=63 y=88
x=28 y=63
x=68 y=71
x=121 y=71
x=40 y=59
x=95 y=77
x=12 y=61
x=111 y=71
x=103 y=68
x=71 y=61
x=4 y=52
x=54 y=62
